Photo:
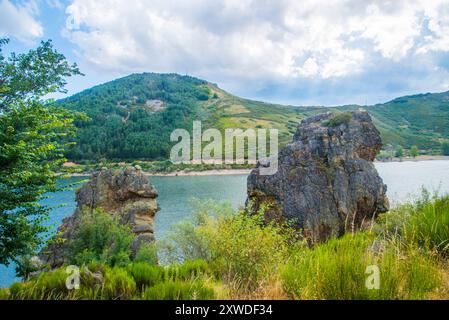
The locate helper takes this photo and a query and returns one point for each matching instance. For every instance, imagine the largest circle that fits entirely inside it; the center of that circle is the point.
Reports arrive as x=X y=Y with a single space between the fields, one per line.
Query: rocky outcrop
x=125 y=193
x=326 y=183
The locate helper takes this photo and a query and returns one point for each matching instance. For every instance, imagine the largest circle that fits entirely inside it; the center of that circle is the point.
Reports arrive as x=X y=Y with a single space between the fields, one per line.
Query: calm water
x=404 y=179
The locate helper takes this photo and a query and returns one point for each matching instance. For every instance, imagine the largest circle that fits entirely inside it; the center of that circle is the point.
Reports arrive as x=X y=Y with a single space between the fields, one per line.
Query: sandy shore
x=230 y=172
x=218 y=172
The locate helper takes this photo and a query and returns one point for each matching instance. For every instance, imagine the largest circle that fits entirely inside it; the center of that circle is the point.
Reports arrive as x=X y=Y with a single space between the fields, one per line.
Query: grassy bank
x=150 y=167
x=225 y=254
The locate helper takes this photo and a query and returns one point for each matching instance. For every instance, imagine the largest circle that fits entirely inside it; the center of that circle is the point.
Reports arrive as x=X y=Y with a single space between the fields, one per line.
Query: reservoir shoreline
x=230 y=172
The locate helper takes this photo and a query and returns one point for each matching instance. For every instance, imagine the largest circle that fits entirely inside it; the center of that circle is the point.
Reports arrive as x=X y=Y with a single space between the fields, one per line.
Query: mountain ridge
x=133 y=116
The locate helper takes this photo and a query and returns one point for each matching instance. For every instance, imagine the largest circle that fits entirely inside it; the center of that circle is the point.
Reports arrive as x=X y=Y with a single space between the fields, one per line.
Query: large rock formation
x=125 y=193
x=326 y=182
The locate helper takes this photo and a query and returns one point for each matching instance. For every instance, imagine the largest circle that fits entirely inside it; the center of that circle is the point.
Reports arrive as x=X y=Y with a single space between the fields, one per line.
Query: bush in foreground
x=99 y=237
x=424 y=224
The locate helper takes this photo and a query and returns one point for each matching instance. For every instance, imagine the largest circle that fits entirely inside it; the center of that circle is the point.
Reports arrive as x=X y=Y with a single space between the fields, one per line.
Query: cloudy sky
x=297 y=52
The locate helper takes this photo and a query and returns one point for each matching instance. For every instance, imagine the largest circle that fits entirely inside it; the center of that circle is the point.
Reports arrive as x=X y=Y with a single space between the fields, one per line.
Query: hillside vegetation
x=132 y=117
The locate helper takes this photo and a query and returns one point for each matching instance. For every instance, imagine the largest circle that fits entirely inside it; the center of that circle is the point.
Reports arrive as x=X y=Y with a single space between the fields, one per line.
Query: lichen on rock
x=326 y=183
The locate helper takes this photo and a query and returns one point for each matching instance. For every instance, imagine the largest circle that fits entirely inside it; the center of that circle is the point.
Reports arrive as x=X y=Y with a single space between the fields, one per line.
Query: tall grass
x=136 y=281
x=340 y=268
x=146 y=275
x=118 y=284
x=4 y=294
x=47 y=285
x=424 y=224
x=179 y=290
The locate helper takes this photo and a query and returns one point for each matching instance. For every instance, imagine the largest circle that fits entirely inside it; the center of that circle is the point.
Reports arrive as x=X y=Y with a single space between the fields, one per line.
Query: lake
x=404 y=181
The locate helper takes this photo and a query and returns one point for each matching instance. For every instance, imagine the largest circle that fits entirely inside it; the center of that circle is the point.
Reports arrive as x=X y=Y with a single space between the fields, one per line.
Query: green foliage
x=178 y=290
x=414 y=151
x=47 y=285
x=33 y=136
x=137 y=281
x=248 y=257
x=188 y=270
x=244 y=249
x=338 y=119
x=146 y=275
x=25 y=266
x=99 y=237
x=337 y=269
x=147 y=253
x=399 y=152
x=424 y=224
x=241 y=249
x=4 y=294
x=445 y=148
x=124 y=126
x=184 y=242
x=32 y=75
x=118 y=284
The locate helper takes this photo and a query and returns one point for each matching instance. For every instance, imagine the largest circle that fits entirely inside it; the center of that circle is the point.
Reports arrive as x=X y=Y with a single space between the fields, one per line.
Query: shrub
x=244 y=249
x=145 y=275
x=445 y=148
x=338 y=119
x=414 y=151
x=99 y=237
x=337 y=270
x=425 y=224
x=178 y=290
x=241 y=249
x=184 y=242
x=47 y=285
x=399 y=152
x=118 y=284
x=147 y=253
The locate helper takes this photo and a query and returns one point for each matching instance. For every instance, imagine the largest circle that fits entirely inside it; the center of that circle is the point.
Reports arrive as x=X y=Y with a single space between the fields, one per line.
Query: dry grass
x=268 y=289
x=236 y=109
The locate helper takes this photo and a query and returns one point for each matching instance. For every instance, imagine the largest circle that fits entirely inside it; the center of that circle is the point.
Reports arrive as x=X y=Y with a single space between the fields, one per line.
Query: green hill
x=132 y=117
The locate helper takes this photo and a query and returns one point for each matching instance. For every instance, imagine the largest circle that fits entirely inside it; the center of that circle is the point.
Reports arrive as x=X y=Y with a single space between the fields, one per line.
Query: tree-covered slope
x=132 y=117
x=421 y=120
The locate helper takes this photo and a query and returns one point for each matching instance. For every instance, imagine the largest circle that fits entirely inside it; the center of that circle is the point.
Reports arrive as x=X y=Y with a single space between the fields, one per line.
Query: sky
x=304 y=52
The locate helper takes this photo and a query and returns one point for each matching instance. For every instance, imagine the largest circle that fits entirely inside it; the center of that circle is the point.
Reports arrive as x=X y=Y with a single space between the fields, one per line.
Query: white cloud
x=18 y=20
x=254 y=42
x=278 y=38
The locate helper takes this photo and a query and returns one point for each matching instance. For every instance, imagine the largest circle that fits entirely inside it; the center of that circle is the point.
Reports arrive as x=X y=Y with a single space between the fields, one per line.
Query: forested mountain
x=132 y=117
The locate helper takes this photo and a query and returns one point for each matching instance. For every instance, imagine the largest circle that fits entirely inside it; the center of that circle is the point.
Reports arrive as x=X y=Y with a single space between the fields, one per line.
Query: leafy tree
x=33 y=136
x=445 y=148
x=414 y=151
x=399 y=153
